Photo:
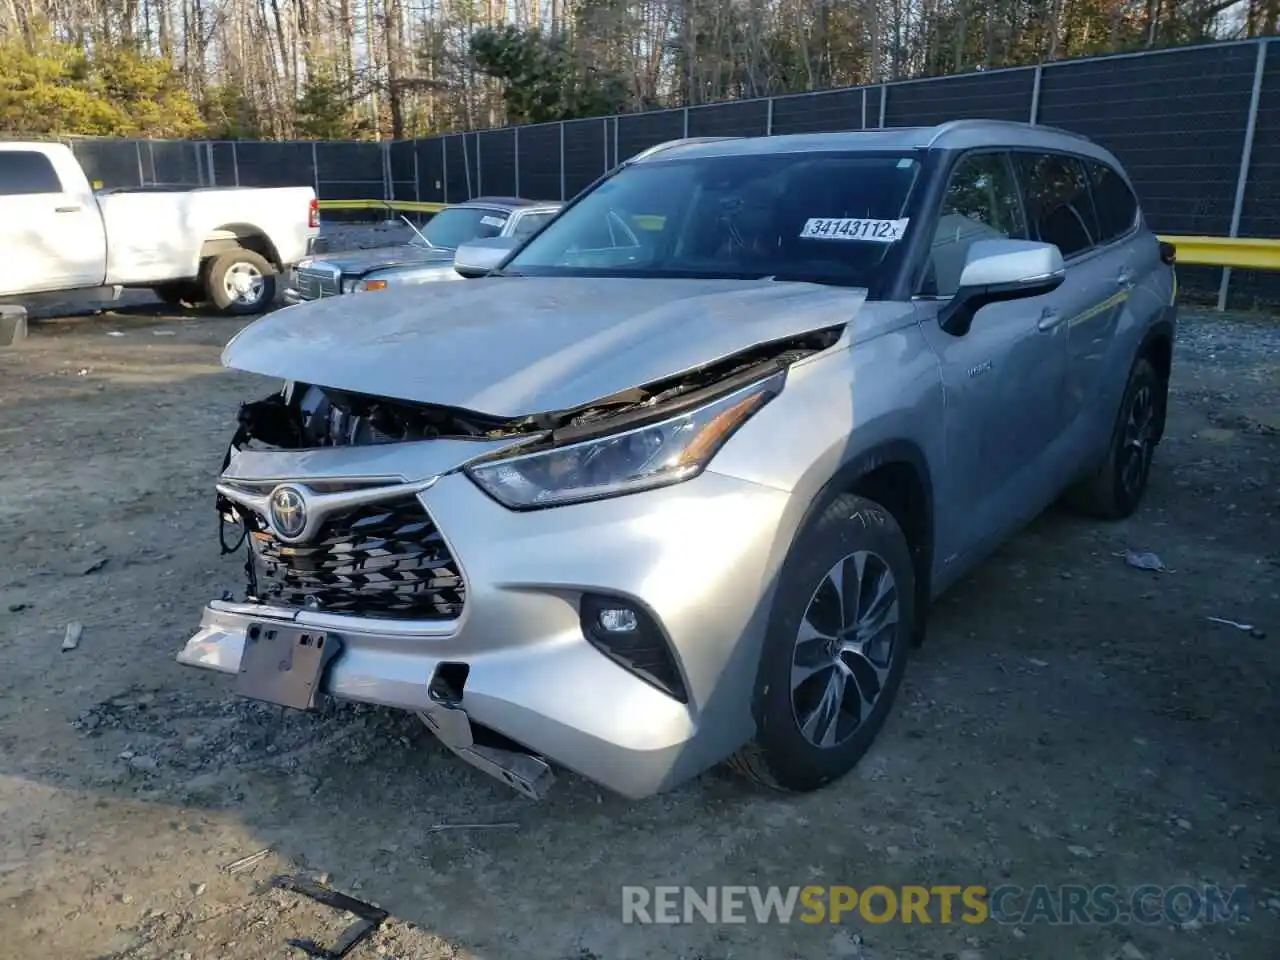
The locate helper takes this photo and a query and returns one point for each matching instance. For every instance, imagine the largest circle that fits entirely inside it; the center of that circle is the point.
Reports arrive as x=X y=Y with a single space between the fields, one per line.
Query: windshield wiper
x=421 y=236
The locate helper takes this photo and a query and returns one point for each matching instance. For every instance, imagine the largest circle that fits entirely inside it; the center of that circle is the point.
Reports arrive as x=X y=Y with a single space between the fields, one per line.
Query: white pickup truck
x=222 y=245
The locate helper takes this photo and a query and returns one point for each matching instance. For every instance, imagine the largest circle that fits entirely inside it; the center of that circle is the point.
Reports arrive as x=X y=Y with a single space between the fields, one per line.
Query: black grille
x=379 y=560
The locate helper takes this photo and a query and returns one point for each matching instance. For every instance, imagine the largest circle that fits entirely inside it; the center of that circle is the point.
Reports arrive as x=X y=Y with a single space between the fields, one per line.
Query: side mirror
x=477 y=258
x=999 y=270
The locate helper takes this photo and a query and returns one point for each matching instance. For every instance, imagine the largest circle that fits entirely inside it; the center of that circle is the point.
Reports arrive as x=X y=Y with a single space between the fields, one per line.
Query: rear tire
x=1115 y=490
x=836 y=648
x=240 y=282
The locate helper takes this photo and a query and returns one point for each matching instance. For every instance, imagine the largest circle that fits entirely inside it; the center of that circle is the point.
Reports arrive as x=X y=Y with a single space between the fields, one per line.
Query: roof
x=510 y=203
x=952 y=135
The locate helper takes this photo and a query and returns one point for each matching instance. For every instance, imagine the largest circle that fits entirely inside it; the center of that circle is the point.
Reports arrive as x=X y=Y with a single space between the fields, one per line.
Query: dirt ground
x=1072 y=719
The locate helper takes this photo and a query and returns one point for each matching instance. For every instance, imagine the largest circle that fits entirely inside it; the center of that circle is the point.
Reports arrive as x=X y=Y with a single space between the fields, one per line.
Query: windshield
x=825 y=217
x=454 y=226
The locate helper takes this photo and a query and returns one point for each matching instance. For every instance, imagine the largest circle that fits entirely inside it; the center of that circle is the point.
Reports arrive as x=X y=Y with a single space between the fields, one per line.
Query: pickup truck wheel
x=240 y=282
x=1115 y=490
x=836 y=647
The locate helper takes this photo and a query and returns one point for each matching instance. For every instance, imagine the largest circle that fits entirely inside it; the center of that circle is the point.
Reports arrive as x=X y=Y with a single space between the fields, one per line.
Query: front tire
x=240 y=282
x=836 y=647
x=1115 y=490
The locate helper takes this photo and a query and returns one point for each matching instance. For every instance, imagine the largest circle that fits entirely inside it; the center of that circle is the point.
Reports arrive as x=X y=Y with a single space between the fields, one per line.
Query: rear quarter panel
x=1149 y=309
x=152 y=237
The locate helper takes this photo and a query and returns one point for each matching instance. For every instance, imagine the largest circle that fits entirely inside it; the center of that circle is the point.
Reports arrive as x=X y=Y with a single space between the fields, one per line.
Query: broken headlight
x=654 y=455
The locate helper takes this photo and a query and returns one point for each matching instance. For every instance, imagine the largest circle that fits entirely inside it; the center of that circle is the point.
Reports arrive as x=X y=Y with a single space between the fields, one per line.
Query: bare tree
x=404 y=67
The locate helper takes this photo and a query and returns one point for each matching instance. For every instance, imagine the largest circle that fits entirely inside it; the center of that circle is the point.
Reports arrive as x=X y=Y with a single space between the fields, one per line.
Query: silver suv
x=678 y=481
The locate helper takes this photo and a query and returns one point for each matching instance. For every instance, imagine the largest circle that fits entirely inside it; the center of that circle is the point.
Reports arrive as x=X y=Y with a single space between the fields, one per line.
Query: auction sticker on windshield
x=492 y=221
x=873 y=231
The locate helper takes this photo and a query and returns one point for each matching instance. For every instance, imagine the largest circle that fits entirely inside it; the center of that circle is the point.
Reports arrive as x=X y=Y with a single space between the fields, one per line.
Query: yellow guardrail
x=1245 y=253
x=390 y=206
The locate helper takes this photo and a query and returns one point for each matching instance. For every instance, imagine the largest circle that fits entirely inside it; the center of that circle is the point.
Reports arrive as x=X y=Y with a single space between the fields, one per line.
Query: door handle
x=75 y=209
x=1125 y=278
x=1048 y=319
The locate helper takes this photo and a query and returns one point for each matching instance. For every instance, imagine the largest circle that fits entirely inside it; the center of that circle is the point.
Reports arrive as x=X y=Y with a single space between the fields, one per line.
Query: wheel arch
x=894 y=474
x=246 y=236
x=1157 y=348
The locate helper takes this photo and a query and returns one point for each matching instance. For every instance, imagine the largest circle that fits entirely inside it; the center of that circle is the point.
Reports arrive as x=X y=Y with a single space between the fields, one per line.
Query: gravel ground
x=1072 y=719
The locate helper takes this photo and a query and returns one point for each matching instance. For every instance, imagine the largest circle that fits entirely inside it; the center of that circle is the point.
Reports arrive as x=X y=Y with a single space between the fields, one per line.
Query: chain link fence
x=1198 y=129
x=337 y=170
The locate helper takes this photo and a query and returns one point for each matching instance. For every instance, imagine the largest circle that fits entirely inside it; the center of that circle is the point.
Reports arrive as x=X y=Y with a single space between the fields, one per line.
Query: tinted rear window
x=529 y=223
x=24 y=172
x=1059 y=208
x=1116 y=205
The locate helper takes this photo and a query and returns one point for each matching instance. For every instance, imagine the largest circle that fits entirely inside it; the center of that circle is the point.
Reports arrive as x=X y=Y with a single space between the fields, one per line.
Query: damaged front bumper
x=370 y=670
x=512 y=683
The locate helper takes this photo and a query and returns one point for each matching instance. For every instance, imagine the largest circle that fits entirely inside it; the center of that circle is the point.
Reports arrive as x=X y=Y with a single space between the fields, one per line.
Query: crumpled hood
x=510 y=346
x=355 y=262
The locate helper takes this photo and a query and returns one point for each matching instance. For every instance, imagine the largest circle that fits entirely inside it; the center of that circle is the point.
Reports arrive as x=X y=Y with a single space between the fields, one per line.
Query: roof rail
x=948 y=126
x=667 y=144
x=1061 y=130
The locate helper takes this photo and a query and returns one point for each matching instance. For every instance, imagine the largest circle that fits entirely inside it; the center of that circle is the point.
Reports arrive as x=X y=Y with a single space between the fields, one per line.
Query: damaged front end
x=303 y=416
x=327 y=493
x=308 y=417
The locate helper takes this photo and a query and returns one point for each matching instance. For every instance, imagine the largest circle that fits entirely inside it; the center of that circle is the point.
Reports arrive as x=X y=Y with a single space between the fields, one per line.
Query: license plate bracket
x=285 y=664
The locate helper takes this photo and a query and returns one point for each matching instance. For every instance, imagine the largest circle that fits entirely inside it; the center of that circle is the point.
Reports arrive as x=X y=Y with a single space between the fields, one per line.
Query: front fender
x=842 y=414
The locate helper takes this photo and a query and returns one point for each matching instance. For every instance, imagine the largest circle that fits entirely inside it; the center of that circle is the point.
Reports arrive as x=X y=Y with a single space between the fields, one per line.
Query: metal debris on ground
x=369 y=917
x=244 y=863
x=1144 y=561
x=71 y=639
x=115 y=333
x=441 y=827
x=1248 y=628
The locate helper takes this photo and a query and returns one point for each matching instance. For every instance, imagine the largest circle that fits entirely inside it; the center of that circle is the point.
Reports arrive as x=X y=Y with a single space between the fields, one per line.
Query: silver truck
x=427 y=257
x=678 y=480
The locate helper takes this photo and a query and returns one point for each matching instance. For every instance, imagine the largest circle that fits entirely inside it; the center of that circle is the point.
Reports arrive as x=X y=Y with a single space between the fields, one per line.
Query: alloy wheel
x=844 y=649
x=1139 y=441
x=243 y=283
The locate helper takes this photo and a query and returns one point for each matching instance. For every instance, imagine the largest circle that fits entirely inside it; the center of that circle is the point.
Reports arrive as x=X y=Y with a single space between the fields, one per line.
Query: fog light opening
x=629 y=636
